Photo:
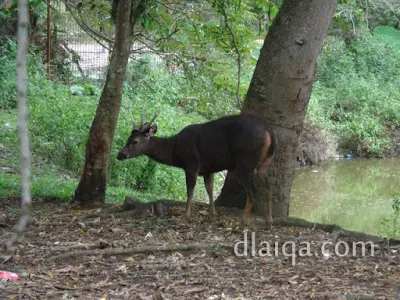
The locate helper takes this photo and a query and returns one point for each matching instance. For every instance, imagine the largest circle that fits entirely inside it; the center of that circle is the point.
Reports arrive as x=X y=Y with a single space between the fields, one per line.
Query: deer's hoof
x=187 y=218
x=269 y=225
x=212 y=212
x=212 y=218
x=244 y=222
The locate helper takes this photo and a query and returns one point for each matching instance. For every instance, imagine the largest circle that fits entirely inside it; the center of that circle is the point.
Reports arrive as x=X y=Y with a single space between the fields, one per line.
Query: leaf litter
x=205 y=267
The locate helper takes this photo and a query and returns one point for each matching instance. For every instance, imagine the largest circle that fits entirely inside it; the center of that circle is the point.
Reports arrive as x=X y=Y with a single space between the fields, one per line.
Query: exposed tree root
x=126 y=251
x=336 y=230
x=136 y=208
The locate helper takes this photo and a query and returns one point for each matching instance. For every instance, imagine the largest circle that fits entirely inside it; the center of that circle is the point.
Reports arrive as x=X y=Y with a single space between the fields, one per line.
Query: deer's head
x=138 y=141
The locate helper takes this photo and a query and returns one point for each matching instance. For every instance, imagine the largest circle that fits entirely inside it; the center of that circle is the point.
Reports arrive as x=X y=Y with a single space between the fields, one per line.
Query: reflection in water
x=355 y=194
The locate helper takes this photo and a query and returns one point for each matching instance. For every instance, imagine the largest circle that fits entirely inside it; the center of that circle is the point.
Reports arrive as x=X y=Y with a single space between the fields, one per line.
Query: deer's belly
x=208 y=169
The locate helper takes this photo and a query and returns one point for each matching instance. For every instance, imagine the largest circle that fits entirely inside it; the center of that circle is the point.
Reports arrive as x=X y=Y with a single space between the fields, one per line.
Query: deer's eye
x=134 y=142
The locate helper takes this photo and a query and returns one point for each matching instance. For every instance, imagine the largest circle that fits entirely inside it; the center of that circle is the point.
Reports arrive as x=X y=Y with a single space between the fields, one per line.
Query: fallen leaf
x=64 y=270
x=264 y=260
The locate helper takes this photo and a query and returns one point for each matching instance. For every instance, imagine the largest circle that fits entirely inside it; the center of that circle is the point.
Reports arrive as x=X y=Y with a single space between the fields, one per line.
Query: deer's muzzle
x=121 y=156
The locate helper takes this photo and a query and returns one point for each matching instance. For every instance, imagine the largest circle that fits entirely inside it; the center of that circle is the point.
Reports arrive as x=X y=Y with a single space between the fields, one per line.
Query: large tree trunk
x=280 y=90
x=92 y=186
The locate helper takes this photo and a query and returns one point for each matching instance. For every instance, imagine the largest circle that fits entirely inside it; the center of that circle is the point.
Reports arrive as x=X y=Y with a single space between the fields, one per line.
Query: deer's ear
x=153 y=130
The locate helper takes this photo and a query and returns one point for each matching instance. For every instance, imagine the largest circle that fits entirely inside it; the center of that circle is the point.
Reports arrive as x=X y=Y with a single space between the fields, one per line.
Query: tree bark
x=92 y=186
x=280 y=90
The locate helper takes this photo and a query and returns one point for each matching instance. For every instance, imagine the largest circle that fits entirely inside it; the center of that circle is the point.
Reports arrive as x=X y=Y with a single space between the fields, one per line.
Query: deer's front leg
x=191 y=178
x=269 y=210
x=246 y=212
x=209 y=183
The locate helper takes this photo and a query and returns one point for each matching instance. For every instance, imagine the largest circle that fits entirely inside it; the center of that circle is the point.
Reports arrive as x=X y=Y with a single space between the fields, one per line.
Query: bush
x=8 y=74
x=356 y=95
x=390 y=226
x=316 y=145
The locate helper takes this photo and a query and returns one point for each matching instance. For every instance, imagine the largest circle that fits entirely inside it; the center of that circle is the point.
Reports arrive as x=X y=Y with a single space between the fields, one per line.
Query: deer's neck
x=162 y=150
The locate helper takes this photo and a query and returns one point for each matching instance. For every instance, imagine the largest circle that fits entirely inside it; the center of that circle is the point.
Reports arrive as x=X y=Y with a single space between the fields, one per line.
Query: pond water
x=355 y=194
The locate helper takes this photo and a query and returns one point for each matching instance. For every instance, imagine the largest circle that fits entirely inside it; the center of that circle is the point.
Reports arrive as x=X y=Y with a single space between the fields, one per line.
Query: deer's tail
x=273 y=144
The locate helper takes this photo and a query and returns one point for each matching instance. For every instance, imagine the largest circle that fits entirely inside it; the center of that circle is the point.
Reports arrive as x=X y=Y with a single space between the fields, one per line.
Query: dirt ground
x=179 y=261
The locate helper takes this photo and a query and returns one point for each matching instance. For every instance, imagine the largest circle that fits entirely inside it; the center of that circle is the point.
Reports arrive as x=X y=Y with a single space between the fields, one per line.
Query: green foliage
x=353 y=17
x=271 y=8
x=204 y=40
x=43 y=186
x=9 y=14
x=381 y=12
x=356 y=95
x=8 y=84
x=390 y=227
x=388 y=35
x=54 y=184
x=84 y=89
x=8 y=75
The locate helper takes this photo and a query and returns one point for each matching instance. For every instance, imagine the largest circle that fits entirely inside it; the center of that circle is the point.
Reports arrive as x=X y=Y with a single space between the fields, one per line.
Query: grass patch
x=56 y=186
x=43 y=186
x=47 y=179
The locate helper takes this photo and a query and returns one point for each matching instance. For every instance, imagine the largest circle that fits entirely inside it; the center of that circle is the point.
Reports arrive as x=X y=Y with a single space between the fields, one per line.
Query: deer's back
x=221 y=144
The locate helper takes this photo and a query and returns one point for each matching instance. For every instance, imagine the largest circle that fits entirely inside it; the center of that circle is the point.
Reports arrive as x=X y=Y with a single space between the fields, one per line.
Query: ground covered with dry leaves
x=86 y=254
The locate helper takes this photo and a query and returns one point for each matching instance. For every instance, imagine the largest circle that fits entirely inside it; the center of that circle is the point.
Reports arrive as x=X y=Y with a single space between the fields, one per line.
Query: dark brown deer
x=242 y=144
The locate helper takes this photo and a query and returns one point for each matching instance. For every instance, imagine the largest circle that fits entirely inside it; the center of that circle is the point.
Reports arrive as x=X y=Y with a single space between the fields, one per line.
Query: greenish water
x=355 y=194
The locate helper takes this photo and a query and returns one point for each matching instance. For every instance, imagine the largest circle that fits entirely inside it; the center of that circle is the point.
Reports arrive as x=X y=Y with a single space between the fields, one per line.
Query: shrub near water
x=356 y=94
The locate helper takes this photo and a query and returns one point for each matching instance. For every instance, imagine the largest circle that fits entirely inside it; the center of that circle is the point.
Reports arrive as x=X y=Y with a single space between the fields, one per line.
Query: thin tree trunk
x=92 y=186
x=22 y=83
x=280 y=90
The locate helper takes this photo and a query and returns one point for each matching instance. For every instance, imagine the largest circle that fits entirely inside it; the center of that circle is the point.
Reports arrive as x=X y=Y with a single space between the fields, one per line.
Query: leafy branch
x=222 y=10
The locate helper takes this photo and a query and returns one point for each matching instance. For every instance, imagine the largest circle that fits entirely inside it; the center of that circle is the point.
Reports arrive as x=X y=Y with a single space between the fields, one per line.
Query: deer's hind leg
x=191 y=177
x=261 y=170
x=209 y=183
x=248 y=179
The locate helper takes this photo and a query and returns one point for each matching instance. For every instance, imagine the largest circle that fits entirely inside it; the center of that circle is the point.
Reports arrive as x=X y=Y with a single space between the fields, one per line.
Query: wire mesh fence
x=74 y=51
x=68 y=50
